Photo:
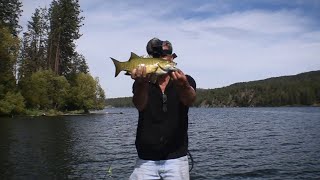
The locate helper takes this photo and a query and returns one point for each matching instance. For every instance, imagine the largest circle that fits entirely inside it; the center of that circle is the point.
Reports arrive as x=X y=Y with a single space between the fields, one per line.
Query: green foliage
x=120 y=102
x=100 y=96
x=83 y=92
x=12 y=103
x=302 y=89
x=45 y=90
x=9 y=47
x=299 y=90
x=10 y=11
x=79 y=64
x=86 y=93
x=33 y=55
x=49 y=41
x=59 y=92
x=47 y=61
x=65 y=21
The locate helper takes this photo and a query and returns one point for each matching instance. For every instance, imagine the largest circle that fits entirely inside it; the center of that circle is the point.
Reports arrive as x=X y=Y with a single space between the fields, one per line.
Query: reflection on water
x=35 y=147
x=226 y=143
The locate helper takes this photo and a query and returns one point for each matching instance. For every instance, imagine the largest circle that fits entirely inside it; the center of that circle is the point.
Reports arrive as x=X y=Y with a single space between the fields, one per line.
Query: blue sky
x=218 y=42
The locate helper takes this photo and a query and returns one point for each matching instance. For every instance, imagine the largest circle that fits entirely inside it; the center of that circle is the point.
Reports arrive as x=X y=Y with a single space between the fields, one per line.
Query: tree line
x=298 y=90
x=42 y=69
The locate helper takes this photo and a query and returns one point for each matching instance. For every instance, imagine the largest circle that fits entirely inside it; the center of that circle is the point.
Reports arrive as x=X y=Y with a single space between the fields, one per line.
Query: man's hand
x=179 y=78
x=139 y=74
x=141 y=87
x=186 y=92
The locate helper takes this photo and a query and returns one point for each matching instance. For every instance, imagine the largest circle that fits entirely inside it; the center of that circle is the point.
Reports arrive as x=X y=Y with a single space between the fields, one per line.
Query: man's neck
x=163 y=81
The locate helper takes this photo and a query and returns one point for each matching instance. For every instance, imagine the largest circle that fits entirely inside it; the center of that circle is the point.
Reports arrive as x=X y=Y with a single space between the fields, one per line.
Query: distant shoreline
x=52 y=113
x=315 y=105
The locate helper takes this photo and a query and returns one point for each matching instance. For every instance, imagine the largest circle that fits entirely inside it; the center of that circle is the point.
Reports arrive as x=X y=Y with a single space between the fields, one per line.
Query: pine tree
x=9 y=16
x=65 y=22
x=33 y=56
x=100 y=96
x=10 y=100
x=10 y=11
x=79 y=64
x=9 y=46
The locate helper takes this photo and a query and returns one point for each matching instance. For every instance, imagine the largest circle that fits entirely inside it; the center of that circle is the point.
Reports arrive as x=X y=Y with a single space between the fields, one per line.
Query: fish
x=154 y=66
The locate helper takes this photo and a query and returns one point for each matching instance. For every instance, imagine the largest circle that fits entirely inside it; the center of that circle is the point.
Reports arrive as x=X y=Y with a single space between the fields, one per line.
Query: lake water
x=226 y=143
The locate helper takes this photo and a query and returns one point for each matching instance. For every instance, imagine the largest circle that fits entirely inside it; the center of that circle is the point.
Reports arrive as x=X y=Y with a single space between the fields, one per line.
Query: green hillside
x=297 y=90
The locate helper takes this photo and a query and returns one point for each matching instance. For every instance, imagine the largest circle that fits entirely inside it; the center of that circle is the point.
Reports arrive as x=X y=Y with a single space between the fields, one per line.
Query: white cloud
x=216 y=51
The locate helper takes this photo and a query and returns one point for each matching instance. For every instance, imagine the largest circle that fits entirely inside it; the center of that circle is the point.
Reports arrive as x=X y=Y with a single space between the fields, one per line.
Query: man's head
x=157 y=48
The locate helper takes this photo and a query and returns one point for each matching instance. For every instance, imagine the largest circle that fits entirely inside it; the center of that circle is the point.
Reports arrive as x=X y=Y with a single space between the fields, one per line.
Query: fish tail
x=117 y=64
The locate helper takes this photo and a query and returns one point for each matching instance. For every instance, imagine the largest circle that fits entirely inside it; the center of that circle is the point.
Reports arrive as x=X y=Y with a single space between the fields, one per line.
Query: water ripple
x=226 y=143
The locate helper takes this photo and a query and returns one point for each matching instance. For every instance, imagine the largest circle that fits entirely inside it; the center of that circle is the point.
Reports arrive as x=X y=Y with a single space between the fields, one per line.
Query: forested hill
x=301 y=89
x=297 y=90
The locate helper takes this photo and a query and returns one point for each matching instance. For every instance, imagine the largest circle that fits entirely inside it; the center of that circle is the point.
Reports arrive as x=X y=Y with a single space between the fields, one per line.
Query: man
x=162 y=138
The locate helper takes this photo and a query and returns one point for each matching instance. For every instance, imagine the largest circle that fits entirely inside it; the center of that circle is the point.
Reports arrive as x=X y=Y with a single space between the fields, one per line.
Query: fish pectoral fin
x=159 y=71
x=162 y=68
x=133 y=56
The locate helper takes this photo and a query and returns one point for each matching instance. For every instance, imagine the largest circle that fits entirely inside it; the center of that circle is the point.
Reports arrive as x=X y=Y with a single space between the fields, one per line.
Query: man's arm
x=186 y=92
x=140 y=88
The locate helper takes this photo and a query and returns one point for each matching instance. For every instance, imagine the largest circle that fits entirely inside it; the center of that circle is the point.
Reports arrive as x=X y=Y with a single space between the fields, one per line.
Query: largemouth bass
x=156 y=66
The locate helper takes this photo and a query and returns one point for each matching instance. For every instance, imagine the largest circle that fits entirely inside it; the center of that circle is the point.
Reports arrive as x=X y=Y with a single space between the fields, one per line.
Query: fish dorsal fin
x=133 y=56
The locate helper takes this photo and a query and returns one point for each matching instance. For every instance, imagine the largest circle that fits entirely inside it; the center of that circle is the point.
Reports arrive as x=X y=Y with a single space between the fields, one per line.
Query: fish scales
x=153 y=65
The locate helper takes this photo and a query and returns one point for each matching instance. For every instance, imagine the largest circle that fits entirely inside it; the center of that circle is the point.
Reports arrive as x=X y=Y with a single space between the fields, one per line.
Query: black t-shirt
x=162 y=131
